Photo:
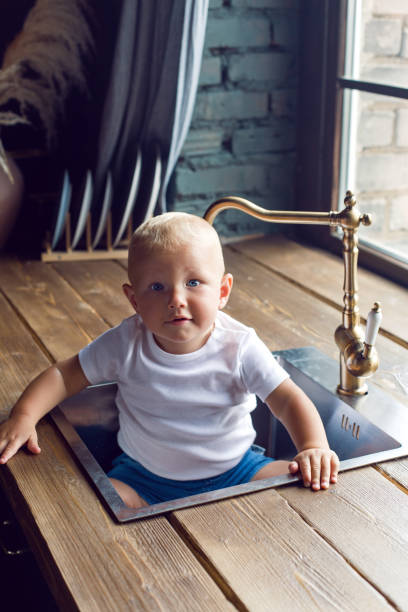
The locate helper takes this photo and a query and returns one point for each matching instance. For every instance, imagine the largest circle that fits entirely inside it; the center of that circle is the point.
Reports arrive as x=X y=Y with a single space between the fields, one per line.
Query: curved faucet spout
x=271 y=216
x=358 y=364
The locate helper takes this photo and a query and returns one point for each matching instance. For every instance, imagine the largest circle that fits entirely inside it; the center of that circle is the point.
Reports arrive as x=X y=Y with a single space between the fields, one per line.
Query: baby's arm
x=318 y=464
x=55 y=384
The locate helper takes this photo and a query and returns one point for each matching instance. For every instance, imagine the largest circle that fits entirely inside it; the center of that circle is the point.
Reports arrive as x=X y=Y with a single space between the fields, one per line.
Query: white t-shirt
x=184 y=416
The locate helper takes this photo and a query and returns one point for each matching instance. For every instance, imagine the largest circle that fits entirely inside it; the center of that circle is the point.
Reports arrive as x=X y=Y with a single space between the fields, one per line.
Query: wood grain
x=397 y=470
x=100 y=286
x=365 y=518
x=58 y=316
x=272 y=560
x=90 y=562
x=20 y=357
x=88 y=558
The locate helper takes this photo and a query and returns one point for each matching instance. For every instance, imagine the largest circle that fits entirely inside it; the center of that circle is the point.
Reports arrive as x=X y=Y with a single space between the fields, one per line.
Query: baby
x=187 y=377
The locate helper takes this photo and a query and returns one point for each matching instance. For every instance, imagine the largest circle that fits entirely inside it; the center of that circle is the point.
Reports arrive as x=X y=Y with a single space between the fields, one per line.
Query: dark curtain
x=151 y=95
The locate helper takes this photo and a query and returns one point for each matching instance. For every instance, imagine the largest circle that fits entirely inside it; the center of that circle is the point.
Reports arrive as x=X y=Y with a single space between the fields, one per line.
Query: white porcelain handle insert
x=373 y=323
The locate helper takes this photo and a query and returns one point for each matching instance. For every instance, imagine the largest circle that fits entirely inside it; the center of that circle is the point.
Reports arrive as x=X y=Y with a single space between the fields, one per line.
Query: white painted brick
x=375 y=128
x=382 y=171
x=260 y=164
x=402 y=127
x=280 y=137
x=225 y=179
x=259 y=66
x=231 y=105
x=391 y=74
x=210 y=71
x=399 y=213
x=237 y=32
x=404 y=44
x=383 y=36
x=390 y=7
x=202 y=142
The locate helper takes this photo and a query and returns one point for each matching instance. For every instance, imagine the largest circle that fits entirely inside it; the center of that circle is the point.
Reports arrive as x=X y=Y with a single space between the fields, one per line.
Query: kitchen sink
x=361 y=430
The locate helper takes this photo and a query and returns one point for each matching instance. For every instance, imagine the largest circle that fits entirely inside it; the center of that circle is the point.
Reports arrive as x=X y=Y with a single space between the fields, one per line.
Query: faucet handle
x=373 y=324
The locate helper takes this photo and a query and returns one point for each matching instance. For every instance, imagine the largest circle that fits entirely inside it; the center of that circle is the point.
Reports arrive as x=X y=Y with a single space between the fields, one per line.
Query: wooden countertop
x=279 y=549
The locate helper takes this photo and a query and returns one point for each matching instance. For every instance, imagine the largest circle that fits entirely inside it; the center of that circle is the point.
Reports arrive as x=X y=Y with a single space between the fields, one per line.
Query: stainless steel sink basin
x=362 y=431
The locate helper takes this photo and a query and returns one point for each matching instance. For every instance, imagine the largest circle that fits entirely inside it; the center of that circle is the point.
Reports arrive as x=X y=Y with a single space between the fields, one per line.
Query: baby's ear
x=225 y=290
x=128 y=291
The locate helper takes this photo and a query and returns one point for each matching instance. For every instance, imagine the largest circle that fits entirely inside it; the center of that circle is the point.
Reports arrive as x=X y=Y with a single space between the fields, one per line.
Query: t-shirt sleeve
x=101 y=359
x=260 y=371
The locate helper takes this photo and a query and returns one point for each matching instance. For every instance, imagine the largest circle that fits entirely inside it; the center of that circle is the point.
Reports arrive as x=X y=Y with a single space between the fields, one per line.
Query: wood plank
x=365 y=517
x=85 y=556
x=316 y=270
x=271 y=559
x=99 y=285
x=20 y=358
x=50 y=306
x=397 y=470
x=274 y=307
x=89 y=559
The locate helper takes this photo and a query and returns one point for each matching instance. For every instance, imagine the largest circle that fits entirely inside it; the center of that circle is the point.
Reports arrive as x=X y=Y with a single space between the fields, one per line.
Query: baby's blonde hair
x=171 y=229
x=168 y=232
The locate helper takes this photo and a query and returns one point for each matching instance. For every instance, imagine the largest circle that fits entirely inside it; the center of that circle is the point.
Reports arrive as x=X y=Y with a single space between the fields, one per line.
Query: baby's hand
x=14 y=433
x=319 y=467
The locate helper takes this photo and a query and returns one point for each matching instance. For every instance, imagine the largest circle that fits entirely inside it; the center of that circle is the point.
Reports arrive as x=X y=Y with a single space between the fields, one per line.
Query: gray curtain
x=152 y=90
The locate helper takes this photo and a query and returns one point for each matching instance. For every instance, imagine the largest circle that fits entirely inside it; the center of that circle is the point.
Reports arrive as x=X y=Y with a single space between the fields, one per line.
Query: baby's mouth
x=178 y=320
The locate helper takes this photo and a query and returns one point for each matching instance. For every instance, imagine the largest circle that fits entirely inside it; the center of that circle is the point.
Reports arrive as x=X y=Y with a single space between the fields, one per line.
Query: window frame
x=320 y=100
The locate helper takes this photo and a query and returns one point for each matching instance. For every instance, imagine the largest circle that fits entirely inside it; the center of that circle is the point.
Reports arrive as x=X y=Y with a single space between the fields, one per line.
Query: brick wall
x=382 y=133
x=242 y=137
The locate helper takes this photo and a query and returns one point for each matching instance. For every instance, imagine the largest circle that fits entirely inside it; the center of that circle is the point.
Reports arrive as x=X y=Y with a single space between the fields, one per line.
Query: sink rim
x=122 y=513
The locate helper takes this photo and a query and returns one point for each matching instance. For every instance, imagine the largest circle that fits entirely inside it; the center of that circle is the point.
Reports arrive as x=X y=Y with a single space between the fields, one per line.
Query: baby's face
x=178 y=294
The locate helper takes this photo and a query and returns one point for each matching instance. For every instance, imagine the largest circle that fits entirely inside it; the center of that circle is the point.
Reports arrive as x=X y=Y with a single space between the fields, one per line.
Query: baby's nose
x=177 y=298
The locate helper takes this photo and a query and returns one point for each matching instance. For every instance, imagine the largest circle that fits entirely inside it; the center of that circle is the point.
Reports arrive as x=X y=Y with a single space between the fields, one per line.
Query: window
x=355 y=123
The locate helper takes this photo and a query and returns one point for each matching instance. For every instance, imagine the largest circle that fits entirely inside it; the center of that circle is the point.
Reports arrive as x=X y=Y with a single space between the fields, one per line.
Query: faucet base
x=350 y=384
x=360 y=390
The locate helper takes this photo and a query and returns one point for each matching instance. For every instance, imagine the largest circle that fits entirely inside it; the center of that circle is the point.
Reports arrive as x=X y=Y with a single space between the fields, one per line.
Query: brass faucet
x=358 y=358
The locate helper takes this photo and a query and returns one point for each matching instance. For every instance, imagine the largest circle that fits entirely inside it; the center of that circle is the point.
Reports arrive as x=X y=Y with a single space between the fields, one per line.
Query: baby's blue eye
x=193 y=283
x=156 y=287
